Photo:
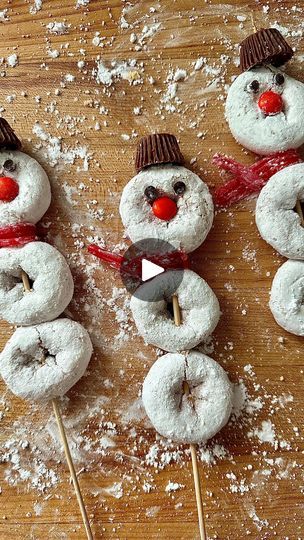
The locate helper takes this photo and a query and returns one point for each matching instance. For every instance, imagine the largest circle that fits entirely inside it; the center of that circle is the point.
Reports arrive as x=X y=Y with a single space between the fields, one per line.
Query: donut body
x=34 y=195
x=286 y=297
x=199 y=307
x=193 y=419
x=192 y=222
x=43 y=362
x=52 y=284
x=276 y=219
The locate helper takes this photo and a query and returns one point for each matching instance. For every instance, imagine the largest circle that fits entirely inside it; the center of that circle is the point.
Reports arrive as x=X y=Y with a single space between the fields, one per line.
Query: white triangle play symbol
x=150 y=270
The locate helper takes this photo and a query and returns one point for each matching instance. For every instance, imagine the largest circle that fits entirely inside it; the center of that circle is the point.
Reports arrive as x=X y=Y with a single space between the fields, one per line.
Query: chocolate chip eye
x=179 y=188
x=9 y=165
x=151 y=193
x=279 y=79
x=254 y=86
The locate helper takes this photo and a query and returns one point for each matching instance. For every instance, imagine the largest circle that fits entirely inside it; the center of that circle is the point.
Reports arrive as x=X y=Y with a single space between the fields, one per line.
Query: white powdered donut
x=43 y=362
x=286 y=298
x=190 y=226
x=34 y=196
x=276 y=219
x=52 y=284
x=178 y=417
x=251 y=127
x=199 y=307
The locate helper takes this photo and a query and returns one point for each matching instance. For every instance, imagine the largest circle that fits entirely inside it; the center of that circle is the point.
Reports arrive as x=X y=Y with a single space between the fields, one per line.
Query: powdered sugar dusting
x=101 y=77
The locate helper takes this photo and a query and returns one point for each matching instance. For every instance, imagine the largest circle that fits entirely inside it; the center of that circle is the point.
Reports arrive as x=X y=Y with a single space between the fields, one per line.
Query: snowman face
x=28 y=186
x=265 y=110
x=170 y=203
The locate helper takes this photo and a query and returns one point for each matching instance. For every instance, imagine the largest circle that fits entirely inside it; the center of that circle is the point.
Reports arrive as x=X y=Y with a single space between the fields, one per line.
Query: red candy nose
x=9 y=189
x=270 y=103
x=164 y=208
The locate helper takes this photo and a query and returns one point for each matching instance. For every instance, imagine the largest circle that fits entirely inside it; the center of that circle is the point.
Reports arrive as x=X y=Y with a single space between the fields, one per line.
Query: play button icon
x=144 y=261
x=149 y=270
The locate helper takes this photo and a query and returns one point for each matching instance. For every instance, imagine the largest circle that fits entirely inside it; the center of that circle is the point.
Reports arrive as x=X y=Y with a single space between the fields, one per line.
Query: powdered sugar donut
x=276 y=219
x=266 y=133
x=52 y=284
x=199 y=307
x=188 y=228
x=43 y=362
x=34 y=196
x=192 y=419
x=286 y=298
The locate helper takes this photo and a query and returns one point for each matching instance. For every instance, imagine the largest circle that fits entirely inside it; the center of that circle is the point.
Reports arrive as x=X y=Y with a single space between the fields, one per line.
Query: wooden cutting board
x=84 y=133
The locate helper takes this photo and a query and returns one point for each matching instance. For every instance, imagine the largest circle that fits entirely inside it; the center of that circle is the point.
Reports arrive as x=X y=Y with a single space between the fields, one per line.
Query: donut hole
x=37 y=360
x=169 y=309
x=43 y=355
x=31 y=281
x=190 y=399
x=187 y=395
x=299 y=209
x=8 y=281
x=36 y=357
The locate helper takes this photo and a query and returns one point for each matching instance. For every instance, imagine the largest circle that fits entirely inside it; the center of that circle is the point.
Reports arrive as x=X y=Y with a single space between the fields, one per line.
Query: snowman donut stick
x=265 y=113
x=25 y=196
x=42 y=360
x=187 y=396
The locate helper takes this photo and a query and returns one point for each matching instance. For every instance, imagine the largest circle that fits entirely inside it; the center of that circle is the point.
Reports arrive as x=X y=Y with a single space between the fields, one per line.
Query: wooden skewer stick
x=26 y=282
x=300 y=212
x=73 y=474
x=85 y=519
x=197 y=482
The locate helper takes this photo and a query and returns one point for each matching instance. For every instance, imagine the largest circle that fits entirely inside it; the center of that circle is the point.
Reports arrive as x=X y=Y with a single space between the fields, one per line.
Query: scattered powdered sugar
x=21 y=466
x=107 y=75
x=106 y=423
x=173 y=486
x=12 y=60
x=57 y=152
x=116 y=490
x=82 y=3
x=259 y=523
x=3 y=15
x=58 y=28
x=266 y=433
x=35 y=7
x=152 y=511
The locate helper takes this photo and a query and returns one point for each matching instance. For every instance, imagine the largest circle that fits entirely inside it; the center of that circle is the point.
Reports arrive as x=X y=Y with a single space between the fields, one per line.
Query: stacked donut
x=46 y=356
x=168 y=202
x=265 y=113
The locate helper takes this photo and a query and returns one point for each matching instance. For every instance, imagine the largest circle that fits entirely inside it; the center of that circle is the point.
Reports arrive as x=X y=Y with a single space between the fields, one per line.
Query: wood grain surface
x=252 y=488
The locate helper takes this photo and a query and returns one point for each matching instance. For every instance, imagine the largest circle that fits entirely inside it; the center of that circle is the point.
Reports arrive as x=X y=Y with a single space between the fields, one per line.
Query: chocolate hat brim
x=267 y=46
x=8 y=138
x=156 y=149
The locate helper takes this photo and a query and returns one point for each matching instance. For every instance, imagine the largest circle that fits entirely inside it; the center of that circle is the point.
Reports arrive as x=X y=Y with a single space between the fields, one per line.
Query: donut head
x=157 y=149
x=32 y=194
x=264 y=110
x=187 y=227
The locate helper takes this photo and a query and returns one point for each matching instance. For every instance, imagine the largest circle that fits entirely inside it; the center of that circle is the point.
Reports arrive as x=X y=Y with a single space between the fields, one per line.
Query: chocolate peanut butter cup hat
x=8 y=138
x=266 y=46
x=156 y=149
